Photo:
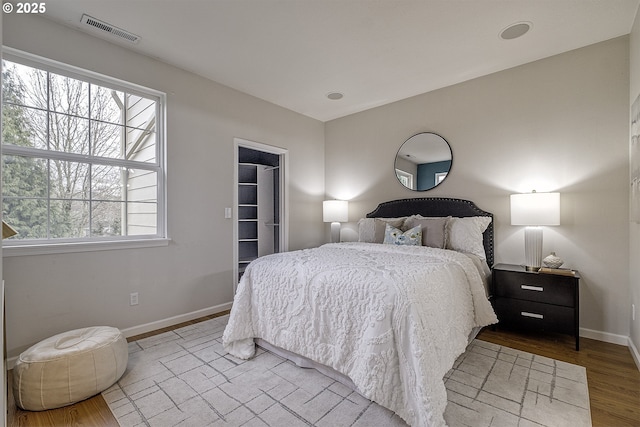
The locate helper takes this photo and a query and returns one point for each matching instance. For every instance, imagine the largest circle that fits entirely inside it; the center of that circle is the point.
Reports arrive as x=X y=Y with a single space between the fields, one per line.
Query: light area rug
x=185 y=378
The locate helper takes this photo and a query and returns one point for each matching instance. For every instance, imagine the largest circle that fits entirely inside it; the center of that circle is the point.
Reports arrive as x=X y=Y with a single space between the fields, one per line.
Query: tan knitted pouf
x=69 y=367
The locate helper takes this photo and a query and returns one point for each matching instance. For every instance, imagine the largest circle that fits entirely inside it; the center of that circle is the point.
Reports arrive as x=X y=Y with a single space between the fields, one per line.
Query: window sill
x=65 y=248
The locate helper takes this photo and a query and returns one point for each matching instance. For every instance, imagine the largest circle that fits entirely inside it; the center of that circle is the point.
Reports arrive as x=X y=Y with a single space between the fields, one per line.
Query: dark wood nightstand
x=536 y=301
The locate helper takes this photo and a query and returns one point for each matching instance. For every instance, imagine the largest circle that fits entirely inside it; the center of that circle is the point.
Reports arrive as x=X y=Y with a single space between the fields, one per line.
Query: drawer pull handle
x=534 y=315
x=532 y=288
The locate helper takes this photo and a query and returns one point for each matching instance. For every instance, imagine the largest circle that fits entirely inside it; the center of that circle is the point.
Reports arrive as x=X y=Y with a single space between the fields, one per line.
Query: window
x=83 y=155
x=405 y=178
x=440 y=176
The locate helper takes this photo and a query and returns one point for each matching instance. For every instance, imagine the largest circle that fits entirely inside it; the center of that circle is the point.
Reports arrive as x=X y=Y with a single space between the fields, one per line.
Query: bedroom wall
x=558 y=124
x=53 y=293
x=634 y=232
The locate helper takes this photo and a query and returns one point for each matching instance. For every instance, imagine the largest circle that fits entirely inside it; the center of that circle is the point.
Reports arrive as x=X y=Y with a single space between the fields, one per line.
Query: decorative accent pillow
x=394 y=236
x=465 y=234
x=433 y=229
x=371 y=230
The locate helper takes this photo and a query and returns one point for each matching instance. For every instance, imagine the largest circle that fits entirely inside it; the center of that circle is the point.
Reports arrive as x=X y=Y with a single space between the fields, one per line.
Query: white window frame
x=46 y=246
x=405 y=178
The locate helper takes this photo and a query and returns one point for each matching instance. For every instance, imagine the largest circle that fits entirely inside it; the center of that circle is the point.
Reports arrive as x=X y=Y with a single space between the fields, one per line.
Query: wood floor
x=613 y=377
x=614 y=382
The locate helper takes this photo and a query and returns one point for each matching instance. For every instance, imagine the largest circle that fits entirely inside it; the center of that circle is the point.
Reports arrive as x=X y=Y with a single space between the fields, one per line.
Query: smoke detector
x=105 y=28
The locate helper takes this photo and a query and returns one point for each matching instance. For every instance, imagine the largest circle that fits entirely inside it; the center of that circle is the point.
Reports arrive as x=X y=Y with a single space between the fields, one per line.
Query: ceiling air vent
x=97 y=24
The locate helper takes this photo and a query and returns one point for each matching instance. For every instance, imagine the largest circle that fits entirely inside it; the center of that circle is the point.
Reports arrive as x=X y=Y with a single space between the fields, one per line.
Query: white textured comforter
x=392 y=318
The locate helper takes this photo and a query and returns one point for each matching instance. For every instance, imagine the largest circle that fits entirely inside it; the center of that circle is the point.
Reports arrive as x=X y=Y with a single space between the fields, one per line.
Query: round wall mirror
x=423 y=161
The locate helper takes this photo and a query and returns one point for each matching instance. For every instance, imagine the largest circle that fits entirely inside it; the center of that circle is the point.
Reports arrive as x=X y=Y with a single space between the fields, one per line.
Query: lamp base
x=533 y=248
x=335 y=232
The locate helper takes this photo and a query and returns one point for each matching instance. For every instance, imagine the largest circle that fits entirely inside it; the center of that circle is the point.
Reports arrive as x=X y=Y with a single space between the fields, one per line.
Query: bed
x=388 y=320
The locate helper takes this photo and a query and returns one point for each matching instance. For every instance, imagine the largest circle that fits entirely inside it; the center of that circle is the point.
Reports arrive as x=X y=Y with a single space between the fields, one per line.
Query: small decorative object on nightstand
x=544 y=301
x=552 y=261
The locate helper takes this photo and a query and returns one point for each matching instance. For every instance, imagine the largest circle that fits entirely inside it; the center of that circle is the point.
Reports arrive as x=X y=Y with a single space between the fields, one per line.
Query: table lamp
x=335 y=212
x=534 y=210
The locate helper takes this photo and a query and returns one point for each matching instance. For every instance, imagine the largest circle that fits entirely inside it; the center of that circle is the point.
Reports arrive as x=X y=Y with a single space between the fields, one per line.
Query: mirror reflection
x=423 y=161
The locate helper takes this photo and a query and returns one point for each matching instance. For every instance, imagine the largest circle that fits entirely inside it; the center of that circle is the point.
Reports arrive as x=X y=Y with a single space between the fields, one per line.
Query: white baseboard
x=170 y=321
x=634 y=353
x=605 y=336
x=158 y=324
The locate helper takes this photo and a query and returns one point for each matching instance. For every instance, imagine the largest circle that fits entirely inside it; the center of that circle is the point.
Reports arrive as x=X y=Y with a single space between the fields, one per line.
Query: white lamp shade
x=535 y=209
x=335 y=211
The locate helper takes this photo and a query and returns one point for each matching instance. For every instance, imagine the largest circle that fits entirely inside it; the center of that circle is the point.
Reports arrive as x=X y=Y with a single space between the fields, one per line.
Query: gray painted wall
x=558 y=124
x=49 y=294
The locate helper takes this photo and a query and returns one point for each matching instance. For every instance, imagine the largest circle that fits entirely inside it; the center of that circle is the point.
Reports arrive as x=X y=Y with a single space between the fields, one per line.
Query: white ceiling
x=294 y=52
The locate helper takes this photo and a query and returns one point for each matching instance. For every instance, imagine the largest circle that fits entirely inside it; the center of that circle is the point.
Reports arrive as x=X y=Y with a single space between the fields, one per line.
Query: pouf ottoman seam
x=95 y=369
x=18 y=388
x=115 y=362
x=68 y=386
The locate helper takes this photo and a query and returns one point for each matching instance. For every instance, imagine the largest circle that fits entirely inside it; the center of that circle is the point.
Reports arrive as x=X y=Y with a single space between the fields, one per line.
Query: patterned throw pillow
x=411 y=237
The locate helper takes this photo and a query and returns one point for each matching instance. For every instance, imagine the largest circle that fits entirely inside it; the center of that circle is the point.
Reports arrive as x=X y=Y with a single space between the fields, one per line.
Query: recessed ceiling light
x=516 y=30
x=335 y=95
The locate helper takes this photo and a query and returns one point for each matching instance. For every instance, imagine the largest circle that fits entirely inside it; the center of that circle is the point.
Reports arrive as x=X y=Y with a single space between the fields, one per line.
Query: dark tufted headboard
x=437 y=206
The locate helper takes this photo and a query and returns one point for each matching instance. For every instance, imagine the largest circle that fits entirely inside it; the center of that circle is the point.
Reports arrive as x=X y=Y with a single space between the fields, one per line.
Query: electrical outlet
x=133 y=298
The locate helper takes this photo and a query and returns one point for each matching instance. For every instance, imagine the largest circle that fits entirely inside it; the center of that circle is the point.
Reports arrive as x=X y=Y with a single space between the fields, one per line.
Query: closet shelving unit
x=247 y=215
x=259 y=203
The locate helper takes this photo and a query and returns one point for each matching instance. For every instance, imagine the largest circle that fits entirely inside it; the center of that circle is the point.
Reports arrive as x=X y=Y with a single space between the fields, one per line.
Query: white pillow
x=433 y=229
x=371 y=230
x=465 y=234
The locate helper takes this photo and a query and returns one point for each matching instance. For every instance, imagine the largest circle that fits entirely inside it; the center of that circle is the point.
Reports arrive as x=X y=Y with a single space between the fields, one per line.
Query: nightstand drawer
x=544 y=288
x=535 y=315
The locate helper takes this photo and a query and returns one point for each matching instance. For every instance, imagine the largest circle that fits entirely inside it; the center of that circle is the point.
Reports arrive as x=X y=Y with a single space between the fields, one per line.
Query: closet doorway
x=260 y=222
